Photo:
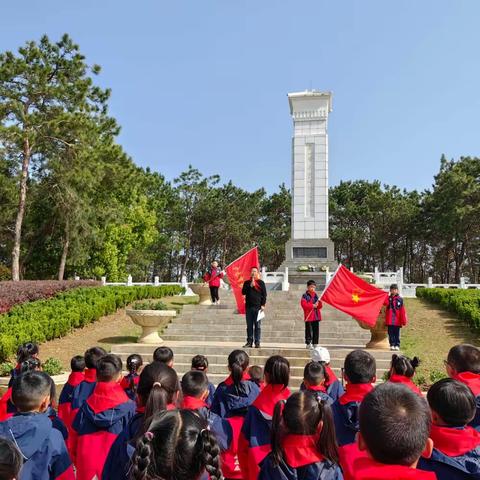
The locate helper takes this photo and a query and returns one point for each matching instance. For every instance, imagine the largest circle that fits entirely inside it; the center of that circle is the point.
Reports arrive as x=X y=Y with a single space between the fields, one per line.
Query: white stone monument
x=309 y=243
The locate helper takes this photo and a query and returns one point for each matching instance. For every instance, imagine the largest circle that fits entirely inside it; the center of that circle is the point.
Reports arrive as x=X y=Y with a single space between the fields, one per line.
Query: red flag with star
x=354 y=296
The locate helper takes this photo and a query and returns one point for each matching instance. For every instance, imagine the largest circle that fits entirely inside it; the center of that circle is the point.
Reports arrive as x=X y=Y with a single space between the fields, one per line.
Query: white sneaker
x=309 y=346
x=397 y=348
x=392 y=347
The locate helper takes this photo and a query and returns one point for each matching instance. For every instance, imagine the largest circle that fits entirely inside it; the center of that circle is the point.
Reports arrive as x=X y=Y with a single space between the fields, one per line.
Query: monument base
x=309 y=258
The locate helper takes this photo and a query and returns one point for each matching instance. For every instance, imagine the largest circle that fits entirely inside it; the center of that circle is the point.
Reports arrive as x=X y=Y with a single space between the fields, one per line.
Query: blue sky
x=205 y=82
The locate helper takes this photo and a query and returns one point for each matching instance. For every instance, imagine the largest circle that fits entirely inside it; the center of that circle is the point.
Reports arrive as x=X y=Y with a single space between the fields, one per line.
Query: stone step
x=341 y=327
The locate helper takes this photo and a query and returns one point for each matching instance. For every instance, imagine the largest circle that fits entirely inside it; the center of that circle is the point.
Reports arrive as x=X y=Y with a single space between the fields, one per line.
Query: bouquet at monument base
x=353 y=296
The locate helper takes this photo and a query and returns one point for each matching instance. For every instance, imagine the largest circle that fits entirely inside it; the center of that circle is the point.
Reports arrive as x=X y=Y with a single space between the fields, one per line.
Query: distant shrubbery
x=13 y=293
x=464 y=303
x=47 y=319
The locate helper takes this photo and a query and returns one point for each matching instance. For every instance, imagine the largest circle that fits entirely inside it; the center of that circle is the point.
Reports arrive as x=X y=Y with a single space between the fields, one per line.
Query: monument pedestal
x=309 y=259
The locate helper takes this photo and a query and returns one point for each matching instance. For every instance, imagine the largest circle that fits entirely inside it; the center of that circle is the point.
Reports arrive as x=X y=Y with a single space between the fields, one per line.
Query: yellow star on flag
x=355 y=297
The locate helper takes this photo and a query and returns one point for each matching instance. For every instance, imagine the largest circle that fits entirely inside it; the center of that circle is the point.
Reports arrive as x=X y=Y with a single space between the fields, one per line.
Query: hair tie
x=149 y=436
x=157 y=384
x=204 y=430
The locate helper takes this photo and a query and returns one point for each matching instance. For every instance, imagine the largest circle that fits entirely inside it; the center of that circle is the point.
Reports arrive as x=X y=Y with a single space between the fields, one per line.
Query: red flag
x=238 y=272
x=354 y=296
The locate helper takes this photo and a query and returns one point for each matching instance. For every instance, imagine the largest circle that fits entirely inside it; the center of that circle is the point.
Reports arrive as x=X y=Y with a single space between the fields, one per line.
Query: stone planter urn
x=379 y=335
x=151 y=322
x=202 y=291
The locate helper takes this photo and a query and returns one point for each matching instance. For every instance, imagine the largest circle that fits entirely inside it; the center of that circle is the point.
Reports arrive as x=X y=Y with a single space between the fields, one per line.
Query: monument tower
x=309 y=244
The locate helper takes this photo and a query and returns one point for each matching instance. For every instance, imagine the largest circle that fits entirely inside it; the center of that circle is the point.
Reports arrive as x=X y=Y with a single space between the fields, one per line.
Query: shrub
x=14 y=293
x=47 y=319
x=464 y=303
x=52 y=366
x=5 y=273
x=150 y=305
x=6 y=369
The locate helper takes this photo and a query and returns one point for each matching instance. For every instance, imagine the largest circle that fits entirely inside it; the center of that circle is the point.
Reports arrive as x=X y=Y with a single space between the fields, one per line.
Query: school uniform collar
x=355 y=392
x=192 y=403
x=229 y=380
x=454 y=441
x=407 y=381
x=378 y=471
x=269 y=396
x=471 y=380
x=91 y=375
x=106 y=395
x=317 y=388
x=301 y=450
x=313 y=297
x=75 y=378
x=332 y=378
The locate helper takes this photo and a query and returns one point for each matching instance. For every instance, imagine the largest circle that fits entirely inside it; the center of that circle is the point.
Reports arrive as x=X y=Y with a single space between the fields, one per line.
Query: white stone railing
x=276 y=278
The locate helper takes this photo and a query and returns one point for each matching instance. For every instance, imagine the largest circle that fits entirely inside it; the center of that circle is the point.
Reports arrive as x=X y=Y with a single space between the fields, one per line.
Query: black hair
x=402 y=365
x=163 y=355
x=108 y=368
x=452 y=401
x=199 y=362
x=392 y=414
x=393 y=286
x=10 y=460
x=92 y=355
x=53 y=394
x=464 y=358
x=77 y=363
x=177 y=446
x=29 y=389
x=311 y=282
x=238 y=362
x=314 y=373
x=30 y=364
x=360 y=367
x=26 y=350
x=301 y=414
x=157 y=387
x=277 y=370
x=256 y=374
x=134 y=362
x=194 y=384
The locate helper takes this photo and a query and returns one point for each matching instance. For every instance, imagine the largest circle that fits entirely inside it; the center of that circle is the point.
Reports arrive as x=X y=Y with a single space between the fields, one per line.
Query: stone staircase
x=215 y=331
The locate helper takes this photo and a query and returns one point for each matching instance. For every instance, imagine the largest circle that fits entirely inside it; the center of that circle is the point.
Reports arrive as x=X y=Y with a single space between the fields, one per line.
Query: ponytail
x=211 y=455
x=276 y=435
x=327 y=441
x=238 y=362
x=402 y=365
x=142 y=458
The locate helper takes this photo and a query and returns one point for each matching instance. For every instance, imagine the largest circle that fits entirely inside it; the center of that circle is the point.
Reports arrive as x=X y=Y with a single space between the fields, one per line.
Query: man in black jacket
x=255 y=295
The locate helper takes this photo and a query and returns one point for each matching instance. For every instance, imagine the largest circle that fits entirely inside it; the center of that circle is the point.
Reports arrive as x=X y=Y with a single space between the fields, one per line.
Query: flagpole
x=333 y=276
x=246 y=253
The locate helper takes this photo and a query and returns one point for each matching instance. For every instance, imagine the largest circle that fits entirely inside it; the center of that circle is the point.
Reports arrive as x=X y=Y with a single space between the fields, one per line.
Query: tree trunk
x=17 y=239
x=63 y=259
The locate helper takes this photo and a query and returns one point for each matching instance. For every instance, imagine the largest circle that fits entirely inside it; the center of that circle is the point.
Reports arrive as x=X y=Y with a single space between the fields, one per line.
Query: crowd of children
x=149 y=424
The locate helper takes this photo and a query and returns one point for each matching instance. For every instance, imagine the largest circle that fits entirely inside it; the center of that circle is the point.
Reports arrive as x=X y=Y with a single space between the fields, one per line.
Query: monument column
x=309 y=243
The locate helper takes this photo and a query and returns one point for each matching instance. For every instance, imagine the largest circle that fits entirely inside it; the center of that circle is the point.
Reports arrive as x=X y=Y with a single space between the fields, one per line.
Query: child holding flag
x=311 y=305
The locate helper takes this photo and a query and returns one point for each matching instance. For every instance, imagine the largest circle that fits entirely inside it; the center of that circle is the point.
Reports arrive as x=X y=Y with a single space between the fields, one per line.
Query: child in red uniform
x=10 y=460
x=200 y=363
x=334 y=386
x=395 y=317
x=254 y=444
x=394 y=432
x=42 y=446
x=360 y=374
x=163 y=355
x=314 y=378
x=402 y=370
x=311 y=305
x=463 y=364
x=303 y=441
x=456 y=452
x=24 y=352
x=256 y=375
x=177 y=445
x=129 y=382
x=101 y=419
x=212 y=277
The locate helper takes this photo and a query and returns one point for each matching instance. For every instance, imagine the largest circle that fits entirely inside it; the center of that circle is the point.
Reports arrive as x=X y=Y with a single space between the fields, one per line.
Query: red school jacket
x=65 y=400
x=311 y=314
x=213 y=277
x=395 y=314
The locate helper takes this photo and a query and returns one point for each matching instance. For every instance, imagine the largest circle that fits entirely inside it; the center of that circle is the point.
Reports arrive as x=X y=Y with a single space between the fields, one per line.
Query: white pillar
x=430 y=282
x=76 y=278
x=462 y=283
x=156 y=281
x=129 y=281
x=376 y=276
x=263 y=273
x=285 y=284
x=104 y=280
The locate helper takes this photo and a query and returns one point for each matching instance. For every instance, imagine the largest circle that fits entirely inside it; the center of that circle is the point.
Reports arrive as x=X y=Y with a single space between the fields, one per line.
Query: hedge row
x=13 y=293
x=47 y=319
x=464 y=303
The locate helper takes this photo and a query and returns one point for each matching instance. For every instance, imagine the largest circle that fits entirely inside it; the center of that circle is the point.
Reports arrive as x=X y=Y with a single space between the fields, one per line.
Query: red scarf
x=317 y=388
x=192 y=403
x=229 y=380
x=454 y=442
x=75 y=378
x=269 y=397
x=355 y=392
x=378 y=471
x=106 y=395
x=301 y=450
x=471 y=380
x=407 y=381
x=91 y=375
x=332 y=378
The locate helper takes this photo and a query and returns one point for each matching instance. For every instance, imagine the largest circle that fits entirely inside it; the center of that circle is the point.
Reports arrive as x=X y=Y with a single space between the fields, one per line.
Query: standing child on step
x=311 y=305
x=213 y=276
x=395 y=317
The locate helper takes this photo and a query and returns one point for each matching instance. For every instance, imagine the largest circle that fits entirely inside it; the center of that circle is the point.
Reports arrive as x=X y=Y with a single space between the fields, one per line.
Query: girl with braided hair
x=177 y=445
x=303 y=441
x=157 y=391
x=130 y=381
